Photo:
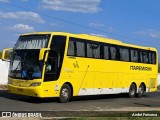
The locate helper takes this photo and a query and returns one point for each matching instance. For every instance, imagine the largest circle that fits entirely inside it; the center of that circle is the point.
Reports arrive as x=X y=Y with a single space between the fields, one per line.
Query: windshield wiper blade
x=15 y=70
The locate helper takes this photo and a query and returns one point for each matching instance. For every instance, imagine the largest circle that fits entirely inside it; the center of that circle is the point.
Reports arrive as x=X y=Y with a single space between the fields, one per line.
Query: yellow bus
x=62 y=65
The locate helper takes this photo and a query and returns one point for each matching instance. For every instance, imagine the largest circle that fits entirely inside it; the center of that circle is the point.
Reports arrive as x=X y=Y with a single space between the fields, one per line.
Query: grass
x=119 y=116
x=158 y=87
x=113 y=118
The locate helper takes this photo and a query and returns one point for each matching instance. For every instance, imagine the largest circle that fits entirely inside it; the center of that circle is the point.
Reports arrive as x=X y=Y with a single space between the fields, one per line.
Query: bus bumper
x=27 y=91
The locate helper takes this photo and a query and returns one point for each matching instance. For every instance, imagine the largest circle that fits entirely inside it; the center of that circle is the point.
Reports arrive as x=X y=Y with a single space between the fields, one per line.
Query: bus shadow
x=5 y=94
x=101 y=97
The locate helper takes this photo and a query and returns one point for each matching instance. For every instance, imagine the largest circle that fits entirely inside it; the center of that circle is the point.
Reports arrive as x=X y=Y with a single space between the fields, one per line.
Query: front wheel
x=65 y=93
x=132 y=91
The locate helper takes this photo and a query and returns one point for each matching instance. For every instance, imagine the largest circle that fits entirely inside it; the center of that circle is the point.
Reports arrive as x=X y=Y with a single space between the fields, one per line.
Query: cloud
x=99 y=35
x=22 y=15
x=4 y=0
x=54 y=24
x=111 y=29
x=82 y=6
x=9 y=0
x=24 y=0
x=150 y=33
x=22 y=28
x=96 y=24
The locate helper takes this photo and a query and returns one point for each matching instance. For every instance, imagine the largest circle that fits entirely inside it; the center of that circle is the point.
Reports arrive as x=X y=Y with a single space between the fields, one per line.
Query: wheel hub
x=65 y=93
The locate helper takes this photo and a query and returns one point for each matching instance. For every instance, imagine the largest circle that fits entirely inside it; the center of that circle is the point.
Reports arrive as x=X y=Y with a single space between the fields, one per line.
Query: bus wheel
x=132 y=91
x=65 y=93
x=140 y=90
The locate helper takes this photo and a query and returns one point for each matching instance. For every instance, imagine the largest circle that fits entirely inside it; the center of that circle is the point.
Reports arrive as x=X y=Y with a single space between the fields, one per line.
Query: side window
x=80 y=48
x=93 y=50
x=124 y=54
x=71 y=48
x=150 y=57
x=96 y=50
x=106 y=52
x=52 y=63
x=89 y=51
x=145 y=57
x=153 y=58
x=141 y=56
x=134 y=55
x=113 y=52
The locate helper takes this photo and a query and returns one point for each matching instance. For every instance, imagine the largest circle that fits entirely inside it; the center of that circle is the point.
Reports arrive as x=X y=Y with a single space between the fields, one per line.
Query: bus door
x=54 y=63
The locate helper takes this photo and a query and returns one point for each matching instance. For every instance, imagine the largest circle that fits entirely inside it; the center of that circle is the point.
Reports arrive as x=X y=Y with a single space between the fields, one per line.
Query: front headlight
x=35 y=84
x=9 y=82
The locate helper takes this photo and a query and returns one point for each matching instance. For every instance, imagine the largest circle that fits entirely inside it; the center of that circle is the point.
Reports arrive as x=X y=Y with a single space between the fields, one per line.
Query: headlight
x=35 y=84
x=9 y=82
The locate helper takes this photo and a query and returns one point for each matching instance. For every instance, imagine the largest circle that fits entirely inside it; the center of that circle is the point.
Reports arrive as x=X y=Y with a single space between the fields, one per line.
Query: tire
x=140 y=91
x=132 y=91
x=65 y=94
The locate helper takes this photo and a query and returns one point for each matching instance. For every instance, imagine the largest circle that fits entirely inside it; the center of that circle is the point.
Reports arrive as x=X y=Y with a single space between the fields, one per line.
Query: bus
x=63 y=65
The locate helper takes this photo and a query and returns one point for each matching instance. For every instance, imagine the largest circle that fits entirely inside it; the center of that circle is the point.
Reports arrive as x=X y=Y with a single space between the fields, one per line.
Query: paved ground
x=151 y=101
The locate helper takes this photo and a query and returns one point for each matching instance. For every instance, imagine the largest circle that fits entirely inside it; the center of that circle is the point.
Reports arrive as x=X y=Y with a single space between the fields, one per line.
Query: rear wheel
x=132 y=91
x=140 y=91
x=65 y=93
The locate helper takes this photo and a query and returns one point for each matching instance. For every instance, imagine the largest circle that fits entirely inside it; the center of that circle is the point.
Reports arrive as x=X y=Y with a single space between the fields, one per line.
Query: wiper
x=15 y=70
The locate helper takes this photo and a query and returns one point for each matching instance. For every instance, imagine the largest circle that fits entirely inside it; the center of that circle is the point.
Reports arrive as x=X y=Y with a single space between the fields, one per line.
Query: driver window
x=51 y=66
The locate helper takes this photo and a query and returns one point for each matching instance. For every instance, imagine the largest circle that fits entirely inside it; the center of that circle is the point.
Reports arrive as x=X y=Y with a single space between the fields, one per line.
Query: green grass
x=115 y=116
x=112 y=118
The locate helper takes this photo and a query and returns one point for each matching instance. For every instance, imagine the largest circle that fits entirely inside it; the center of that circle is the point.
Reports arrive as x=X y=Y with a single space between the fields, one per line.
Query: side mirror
x=4 y=53
x=42 y=52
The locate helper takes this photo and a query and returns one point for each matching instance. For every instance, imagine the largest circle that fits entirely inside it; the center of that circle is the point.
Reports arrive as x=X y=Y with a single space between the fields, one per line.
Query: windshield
x=25 y=64
x=32 y=42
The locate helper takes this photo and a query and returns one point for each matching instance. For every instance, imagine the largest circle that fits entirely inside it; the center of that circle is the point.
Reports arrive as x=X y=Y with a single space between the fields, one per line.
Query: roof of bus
x=94 y=38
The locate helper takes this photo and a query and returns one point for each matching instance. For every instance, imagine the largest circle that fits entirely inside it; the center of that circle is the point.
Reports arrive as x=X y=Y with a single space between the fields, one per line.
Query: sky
x=130 y=21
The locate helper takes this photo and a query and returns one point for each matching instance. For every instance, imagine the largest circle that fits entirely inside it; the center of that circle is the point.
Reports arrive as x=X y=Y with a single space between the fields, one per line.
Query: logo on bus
x=141 y=68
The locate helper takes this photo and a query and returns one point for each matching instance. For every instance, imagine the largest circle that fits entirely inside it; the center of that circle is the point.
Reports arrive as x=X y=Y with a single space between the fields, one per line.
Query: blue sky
x=131 y=21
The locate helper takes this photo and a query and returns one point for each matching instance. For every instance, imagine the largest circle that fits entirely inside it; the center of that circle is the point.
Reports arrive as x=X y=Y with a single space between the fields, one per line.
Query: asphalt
x=120 y=102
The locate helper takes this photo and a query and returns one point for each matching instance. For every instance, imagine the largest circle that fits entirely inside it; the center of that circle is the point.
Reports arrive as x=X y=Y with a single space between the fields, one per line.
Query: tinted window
x=89 y=50
x=134 y=55
x=96 y=50
x=106 y=52
x=113 y=52
x=71 y=48
x=145 y=57
x=141 y=57
x=150 y=57
x=124 y=54
x=153 y=58
x=80 y=48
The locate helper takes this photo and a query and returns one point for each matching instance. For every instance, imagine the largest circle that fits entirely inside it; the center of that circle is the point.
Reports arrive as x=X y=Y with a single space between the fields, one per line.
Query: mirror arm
x=4 y=53
x=42 y=52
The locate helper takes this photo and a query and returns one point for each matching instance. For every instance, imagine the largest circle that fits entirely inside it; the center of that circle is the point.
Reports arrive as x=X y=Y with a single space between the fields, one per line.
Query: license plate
x=20 y=89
